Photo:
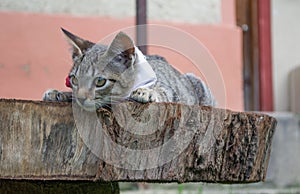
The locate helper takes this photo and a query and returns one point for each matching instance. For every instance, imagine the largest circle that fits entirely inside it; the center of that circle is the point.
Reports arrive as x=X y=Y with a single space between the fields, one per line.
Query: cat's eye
x=119 y=58
x=100 y=82
x=74 y=80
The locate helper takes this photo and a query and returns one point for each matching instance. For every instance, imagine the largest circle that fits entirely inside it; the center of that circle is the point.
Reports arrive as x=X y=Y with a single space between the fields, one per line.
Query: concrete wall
x=286 y=48
x=191 y=11
x=284 y=168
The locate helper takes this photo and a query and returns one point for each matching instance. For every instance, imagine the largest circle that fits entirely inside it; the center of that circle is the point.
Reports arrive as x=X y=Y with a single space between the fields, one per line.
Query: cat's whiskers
x=100 y=102
x=115 y=99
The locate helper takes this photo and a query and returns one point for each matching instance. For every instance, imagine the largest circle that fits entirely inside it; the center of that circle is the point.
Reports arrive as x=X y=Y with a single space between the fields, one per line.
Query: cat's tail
x=201 y=90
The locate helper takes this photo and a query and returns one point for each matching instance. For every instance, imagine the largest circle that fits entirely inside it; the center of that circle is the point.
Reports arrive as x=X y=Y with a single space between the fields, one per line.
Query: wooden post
x=254 y=18
x=141 y=21
x=247 y=19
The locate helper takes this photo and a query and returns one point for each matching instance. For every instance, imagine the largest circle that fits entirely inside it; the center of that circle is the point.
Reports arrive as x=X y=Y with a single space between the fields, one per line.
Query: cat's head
x=101 y=74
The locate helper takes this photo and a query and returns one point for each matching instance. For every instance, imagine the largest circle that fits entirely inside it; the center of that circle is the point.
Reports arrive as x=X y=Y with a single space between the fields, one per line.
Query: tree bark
x=155 y=142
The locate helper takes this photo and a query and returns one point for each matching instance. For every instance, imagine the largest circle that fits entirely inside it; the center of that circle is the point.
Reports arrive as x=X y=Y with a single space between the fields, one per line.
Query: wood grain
x=156 y=142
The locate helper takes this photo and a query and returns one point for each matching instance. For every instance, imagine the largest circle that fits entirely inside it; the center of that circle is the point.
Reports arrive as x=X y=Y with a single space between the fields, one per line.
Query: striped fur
x=104 y=75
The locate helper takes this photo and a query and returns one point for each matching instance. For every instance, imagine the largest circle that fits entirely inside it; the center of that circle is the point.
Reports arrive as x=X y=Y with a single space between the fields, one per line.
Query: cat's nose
x=84 y=94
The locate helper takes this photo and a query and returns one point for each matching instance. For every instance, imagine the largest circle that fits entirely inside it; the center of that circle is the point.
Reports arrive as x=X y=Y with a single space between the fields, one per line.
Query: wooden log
x=155 y=142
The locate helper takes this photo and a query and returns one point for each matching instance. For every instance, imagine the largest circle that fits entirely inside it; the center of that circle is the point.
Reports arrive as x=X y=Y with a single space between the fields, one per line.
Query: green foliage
x=180 y=188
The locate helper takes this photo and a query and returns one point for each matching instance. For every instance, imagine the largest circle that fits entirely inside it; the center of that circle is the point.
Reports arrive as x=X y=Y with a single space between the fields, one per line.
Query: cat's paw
x=56 y=96
x=143 y=95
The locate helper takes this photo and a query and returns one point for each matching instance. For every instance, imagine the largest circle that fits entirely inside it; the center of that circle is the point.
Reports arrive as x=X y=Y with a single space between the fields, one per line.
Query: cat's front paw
x=143 y=95
x=56 y=96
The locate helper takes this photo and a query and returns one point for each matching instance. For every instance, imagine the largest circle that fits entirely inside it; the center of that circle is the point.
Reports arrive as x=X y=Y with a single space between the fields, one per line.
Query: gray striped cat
x=104 y=75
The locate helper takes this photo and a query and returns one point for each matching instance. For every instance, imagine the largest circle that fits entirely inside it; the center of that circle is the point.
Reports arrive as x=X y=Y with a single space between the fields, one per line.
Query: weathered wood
x=156 y=142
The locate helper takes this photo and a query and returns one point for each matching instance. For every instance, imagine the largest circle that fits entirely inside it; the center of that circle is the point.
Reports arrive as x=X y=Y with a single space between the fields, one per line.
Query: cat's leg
x=144 y=95
x=57 y=96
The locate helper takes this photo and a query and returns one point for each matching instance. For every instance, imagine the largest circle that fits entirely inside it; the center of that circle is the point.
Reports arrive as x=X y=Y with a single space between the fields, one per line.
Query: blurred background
x=35 y=55
x=255 y=44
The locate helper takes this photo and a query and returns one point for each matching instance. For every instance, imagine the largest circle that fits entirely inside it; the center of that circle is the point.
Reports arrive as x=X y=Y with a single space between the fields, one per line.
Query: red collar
x=68 y=84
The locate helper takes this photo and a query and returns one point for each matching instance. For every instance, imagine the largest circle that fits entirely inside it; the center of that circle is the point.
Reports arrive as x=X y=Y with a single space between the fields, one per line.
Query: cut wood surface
x=155 y=142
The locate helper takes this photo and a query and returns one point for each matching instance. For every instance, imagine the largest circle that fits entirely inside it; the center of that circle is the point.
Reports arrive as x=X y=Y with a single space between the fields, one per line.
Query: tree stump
x=154 y=142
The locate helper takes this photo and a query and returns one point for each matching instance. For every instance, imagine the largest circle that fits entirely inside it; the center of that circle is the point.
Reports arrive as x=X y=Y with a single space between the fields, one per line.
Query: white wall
x=286 y=47
x=191 y=11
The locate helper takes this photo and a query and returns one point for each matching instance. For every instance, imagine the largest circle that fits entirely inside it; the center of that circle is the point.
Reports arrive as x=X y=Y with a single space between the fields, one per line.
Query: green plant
x=180 y=188
x=200 y=189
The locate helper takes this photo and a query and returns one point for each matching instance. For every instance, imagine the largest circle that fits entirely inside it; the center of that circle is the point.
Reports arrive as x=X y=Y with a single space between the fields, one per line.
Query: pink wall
x=34 y=54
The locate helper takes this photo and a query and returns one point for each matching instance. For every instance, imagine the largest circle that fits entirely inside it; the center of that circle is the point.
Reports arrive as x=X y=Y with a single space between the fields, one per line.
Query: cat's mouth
x=92 y=105
x=88 y=105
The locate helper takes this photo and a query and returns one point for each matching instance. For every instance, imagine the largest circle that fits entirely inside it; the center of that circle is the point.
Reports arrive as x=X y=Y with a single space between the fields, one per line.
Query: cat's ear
x=123 y=45
x=79 y=45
